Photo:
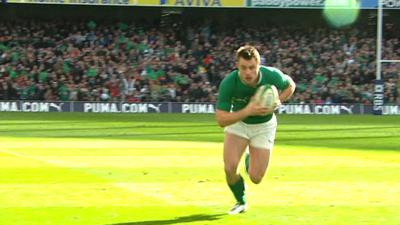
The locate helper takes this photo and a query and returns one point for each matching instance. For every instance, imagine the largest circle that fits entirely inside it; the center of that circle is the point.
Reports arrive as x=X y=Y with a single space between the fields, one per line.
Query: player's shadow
x=177 y=220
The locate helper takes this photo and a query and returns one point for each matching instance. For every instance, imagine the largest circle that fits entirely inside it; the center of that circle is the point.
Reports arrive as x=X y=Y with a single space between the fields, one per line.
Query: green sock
x=238 y=191
x=247 y=162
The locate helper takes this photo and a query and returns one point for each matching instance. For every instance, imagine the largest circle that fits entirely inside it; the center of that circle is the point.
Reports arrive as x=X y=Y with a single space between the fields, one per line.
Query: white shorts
x=261 y=135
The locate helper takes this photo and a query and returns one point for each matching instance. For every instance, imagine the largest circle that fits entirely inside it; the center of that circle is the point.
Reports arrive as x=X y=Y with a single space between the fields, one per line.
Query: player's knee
x=256 y=178
x=230 y=170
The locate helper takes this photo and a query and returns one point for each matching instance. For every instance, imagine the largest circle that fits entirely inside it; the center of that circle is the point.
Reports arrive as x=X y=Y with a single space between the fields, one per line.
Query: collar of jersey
x=259 y=77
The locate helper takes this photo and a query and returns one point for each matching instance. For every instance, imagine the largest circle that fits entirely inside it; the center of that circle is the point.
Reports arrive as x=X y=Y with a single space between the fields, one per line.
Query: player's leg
x=234 y=147
x=259 y=160
x=260 y=148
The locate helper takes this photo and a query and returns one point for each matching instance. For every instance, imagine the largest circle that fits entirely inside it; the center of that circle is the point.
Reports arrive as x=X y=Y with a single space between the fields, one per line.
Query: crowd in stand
x=89 y=61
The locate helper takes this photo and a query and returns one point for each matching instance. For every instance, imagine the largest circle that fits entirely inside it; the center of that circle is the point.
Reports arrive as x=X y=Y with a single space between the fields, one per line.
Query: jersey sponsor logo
x=242 y=100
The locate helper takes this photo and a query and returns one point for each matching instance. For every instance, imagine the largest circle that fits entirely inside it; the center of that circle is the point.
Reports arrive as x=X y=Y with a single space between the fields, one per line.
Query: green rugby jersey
x=234 y=95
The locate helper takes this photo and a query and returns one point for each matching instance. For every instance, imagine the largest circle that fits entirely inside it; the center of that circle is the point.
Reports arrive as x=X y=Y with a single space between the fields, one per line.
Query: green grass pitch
x=153 y=169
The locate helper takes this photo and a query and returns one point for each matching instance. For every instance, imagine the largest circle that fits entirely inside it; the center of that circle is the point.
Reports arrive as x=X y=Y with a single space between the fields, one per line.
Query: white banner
x=179 y=107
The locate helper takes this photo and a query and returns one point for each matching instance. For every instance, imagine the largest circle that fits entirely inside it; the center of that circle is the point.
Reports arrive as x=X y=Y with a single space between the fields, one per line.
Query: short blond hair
x=248 y=52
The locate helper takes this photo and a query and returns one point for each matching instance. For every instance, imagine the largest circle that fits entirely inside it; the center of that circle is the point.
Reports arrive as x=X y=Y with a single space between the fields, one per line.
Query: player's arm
x=225 y=118
x=288 y=91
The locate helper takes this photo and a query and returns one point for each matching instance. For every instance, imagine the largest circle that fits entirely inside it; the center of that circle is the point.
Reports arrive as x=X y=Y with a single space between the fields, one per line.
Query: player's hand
x=275 y=107
x=254 y=109
x=277 y=104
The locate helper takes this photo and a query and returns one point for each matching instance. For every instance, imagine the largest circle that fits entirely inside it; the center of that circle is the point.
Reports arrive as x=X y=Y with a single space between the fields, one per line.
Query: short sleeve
x=224 y=101
x=279 y=79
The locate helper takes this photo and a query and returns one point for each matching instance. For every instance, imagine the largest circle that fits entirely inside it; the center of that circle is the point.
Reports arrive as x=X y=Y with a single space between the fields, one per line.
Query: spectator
x=93 y=61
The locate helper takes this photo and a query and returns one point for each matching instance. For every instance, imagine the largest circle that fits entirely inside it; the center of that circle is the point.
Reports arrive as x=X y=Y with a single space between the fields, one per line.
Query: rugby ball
x=267 y=96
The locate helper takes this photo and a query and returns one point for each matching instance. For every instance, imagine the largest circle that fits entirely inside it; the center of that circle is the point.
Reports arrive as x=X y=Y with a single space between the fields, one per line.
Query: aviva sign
x=212 y=3
x=193 y=3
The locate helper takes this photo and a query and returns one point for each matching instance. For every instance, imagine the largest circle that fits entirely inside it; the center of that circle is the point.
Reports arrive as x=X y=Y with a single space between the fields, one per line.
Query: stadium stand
x=139 y=61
